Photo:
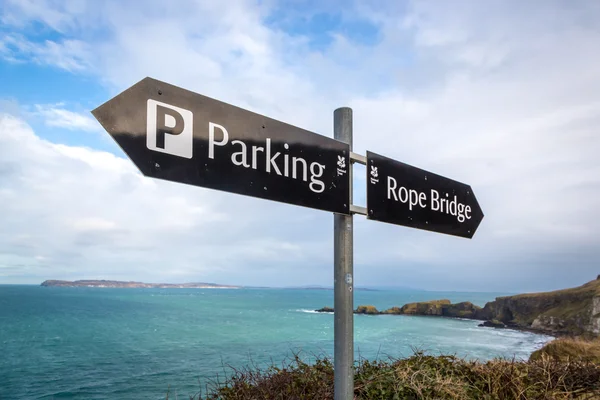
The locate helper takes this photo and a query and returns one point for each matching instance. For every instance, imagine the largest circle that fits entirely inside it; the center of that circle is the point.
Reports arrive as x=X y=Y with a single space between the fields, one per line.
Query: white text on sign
x=170 y=130
x=439 y=203
x=247 y=157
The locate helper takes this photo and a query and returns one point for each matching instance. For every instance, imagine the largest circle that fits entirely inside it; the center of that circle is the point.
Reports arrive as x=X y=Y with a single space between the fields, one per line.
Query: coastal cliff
x=572 y=312
x=121 y=284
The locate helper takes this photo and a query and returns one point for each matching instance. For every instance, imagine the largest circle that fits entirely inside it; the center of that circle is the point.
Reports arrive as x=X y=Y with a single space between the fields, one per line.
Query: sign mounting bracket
x=357 y=158
x=358 y=210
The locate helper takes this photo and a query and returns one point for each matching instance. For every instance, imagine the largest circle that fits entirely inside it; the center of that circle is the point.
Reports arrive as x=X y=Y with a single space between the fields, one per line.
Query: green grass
x=570 y=309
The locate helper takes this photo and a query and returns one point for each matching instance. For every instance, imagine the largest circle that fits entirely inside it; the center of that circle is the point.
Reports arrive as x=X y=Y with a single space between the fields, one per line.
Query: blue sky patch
x=319 y=28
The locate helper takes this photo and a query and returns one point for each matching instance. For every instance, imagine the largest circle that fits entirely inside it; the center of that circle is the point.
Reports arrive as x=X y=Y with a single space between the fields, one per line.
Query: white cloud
x=70 y=55
x=93 y=224
x=58 y=15
x=57 y=116
x=89 y=213
x=503 y=96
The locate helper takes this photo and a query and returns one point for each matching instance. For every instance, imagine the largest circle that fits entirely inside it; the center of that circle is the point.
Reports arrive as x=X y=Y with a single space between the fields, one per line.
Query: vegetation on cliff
x=420 y=376
x=566 y=349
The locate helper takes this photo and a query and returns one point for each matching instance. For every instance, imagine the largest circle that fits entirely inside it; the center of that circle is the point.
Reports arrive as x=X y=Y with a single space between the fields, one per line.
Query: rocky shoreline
x=568 y=312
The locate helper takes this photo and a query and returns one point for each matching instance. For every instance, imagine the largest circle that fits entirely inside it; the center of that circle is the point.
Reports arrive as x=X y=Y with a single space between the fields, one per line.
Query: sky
x=501 y=95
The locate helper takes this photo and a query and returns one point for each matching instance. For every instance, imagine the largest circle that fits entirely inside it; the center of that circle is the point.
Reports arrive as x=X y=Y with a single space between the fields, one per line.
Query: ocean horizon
x=98 y=343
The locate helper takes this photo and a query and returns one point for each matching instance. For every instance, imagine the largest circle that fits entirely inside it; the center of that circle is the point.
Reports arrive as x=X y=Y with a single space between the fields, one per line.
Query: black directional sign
x=177 y=135
x=405 y=195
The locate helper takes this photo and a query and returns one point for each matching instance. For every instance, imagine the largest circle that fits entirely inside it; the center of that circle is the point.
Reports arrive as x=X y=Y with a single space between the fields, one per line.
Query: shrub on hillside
x=420 y=376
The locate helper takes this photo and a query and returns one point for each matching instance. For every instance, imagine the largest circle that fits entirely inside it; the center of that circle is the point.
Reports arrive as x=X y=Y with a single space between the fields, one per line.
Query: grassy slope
x=570 y=350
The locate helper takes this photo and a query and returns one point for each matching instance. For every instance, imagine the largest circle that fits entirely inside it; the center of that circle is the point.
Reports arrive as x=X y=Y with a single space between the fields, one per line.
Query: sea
x=107 y=343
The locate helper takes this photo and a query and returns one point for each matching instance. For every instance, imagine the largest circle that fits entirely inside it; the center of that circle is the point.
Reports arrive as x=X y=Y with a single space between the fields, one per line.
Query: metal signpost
x=343 y=276
x=176 y=135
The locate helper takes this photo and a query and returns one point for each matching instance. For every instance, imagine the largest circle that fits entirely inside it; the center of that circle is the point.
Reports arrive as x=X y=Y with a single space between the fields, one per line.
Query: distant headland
x=131 y=284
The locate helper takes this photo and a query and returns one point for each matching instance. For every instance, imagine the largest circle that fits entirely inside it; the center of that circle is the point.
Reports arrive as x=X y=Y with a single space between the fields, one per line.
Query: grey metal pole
x=343 y=327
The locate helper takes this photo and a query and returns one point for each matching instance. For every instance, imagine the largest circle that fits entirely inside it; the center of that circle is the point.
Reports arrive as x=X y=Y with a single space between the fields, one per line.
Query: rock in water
x=493 y=324
x=370 y=310
x=466 y=309
x=434 y=307
x=393 y=310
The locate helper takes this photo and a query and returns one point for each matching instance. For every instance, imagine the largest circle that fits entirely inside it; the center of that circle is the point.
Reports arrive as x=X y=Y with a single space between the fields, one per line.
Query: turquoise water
x=99 y=343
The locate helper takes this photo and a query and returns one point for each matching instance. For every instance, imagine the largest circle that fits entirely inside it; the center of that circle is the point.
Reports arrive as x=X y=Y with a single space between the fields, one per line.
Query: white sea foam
x=312 y=311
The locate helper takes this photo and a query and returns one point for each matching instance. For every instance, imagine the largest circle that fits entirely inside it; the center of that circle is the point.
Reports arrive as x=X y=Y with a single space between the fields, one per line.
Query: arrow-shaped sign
x=405 y=195
x=173 y=134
